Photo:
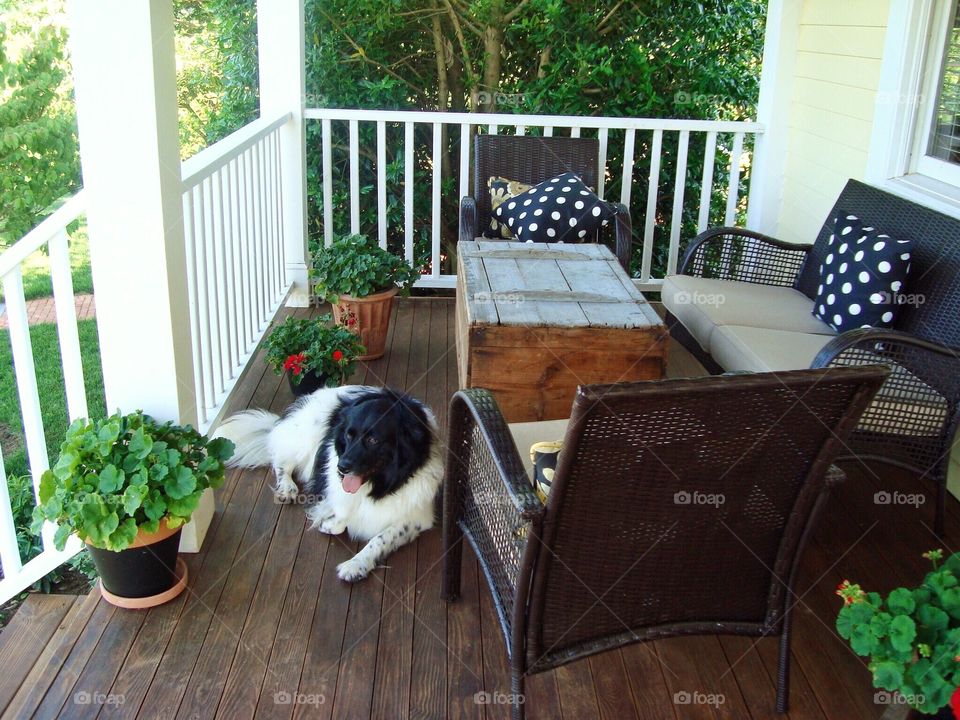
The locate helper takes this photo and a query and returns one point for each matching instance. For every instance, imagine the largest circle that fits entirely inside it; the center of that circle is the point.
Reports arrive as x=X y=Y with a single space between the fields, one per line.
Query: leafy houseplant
x=912 y=636
x=125 y=485
x=359 y=279
x=314 y=353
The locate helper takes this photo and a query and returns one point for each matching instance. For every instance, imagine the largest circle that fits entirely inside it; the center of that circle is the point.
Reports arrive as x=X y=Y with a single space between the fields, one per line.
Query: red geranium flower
x=955 y=703
x=294 y=363
x=337 y=356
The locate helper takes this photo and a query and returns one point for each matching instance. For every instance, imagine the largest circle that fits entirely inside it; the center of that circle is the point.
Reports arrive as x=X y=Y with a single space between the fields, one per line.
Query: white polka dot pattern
x=556 y=220
x=861 y=276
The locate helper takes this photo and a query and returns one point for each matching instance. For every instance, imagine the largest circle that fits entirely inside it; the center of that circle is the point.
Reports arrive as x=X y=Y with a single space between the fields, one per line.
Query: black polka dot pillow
x=560 y=209
x=861 y=277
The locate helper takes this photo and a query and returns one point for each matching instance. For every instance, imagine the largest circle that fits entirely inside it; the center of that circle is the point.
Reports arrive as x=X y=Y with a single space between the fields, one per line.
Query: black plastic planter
x=309 y=382
x=139 y=572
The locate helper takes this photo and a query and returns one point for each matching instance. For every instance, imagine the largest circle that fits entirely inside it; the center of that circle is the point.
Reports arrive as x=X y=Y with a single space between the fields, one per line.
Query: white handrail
x=202 y=165
x=51 y=232
x=236 y=268
x=526 y=121
x=42 y=233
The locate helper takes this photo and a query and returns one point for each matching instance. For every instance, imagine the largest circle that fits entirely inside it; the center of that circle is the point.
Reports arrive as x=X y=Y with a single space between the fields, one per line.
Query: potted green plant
x=312 y=353
x=125 y=485
x=912 y=638
x=360 y=279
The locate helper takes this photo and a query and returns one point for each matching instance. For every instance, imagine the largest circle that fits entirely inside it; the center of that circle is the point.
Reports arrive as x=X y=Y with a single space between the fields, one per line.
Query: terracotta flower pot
x=369 y=317
x=145 y=574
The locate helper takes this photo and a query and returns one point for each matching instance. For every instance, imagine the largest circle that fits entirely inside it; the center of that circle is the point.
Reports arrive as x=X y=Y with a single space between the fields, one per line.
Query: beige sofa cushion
x=739 y=347
x=702 y=304
x=528 y=433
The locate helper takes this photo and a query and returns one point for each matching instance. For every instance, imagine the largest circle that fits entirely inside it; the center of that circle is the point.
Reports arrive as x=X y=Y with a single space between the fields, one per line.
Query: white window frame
x=906 y=96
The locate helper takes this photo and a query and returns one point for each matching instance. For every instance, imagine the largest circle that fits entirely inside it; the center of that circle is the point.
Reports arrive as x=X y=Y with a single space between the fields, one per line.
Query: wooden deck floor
x=267 y=630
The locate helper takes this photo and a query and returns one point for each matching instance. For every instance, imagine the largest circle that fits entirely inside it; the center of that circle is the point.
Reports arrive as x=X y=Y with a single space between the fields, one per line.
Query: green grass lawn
x=53 y=408
x=36 y=268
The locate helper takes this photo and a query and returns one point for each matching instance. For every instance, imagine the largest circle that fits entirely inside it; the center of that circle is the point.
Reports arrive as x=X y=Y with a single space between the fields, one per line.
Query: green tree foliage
x=39 y=162
x=217 y=69
x=694 y=59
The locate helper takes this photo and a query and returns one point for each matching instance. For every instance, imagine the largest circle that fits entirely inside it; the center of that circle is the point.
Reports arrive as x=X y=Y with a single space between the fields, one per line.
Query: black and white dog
x=370 y=455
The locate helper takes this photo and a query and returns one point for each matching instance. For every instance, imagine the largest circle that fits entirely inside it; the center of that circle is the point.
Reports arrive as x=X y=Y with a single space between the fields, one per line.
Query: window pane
x=945 y=133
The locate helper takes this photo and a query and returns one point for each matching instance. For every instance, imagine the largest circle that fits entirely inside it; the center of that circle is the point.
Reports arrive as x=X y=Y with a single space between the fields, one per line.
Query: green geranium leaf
x=184 y=506
x=48 y=485
x=862 y=640
x=932 y=618
x=154 y=506
x=133 y=498
x=888 y=675
x=174 y=521
x=123 y=536
x=150 y=526
x=61 y=536
x=900 y=602
x=845 y=622
x=140 y=444
x=902 y=633
x=221 y=449
x=111 y=479
x=181 y=484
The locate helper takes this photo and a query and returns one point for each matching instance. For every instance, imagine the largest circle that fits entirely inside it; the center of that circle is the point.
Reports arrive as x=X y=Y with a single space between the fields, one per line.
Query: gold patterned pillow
x=501 y=189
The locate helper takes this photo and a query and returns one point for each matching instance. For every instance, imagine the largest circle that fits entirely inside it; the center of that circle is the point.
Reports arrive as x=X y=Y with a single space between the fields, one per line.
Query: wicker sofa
x=742 y=302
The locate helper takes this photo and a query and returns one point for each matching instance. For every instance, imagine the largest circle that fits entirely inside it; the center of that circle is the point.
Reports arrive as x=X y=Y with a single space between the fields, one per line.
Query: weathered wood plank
x=173 y=673
x=51 y=661
x=25 y=637
x=391 y=693
x=464 y=653
x=578 y=697
x=358 y=658
x=91 y=693
x=613 y=689
x=250 y=663
x=322 y=662
x=645 y=672
x=59 y=691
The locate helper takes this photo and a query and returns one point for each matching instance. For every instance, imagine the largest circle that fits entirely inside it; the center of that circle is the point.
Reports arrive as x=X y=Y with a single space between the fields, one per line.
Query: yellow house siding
x=831 y=114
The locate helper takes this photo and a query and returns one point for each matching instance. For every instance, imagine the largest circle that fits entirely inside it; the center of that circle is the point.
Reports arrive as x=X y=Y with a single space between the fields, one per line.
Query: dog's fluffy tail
x=250 y=432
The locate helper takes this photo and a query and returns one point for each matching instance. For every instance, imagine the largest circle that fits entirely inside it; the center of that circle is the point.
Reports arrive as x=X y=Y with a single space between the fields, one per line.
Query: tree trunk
x=439 y=48
x=492 y=53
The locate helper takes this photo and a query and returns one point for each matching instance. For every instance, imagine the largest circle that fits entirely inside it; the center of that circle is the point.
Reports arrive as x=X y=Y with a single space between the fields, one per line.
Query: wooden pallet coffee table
x=534 y=321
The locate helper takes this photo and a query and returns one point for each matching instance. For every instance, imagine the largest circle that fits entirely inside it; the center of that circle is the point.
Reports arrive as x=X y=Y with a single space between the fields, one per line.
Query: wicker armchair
x=531 y=160
x=677 y=507
x=915 y=418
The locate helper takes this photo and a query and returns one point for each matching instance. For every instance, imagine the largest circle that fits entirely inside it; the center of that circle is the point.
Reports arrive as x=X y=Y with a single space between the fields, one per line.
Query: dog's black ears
x=414 y=439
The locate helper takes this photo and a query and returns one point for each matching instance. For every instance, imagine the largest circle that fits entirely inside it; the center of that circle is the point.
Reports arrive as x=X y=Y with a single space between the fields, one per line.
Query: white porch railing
x=236 y=265
x=51 y=234
x=634 y=131
x=236 y=283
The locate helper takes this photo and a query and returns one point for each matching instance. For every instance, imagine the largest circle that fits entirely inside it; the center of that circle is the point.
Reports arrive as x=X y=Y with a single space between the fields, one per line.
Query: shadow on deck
x=267 y=630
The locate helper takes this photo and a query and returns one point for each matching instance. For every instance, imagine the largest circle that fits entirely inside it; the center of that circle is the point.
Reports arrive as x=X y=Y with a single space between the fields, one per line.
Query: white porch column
x=773 y=111
x=280 y=35
x=125 y=78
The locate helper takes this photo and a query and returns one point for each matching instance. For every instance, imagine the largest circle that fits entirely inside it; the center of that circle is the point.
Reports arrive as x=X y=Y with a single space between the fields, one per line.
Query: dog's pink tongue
x=351 y=483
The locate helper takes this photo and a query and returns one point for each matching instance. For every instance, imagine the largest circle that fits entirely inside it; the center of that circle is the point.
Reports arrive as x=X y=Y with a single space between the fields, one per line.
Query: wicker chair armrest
x=921 y=368
x=835 y=476
x=479 y=432
x=624 y=234
x=731 y=253
x=468 y=218
x=873 y=337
